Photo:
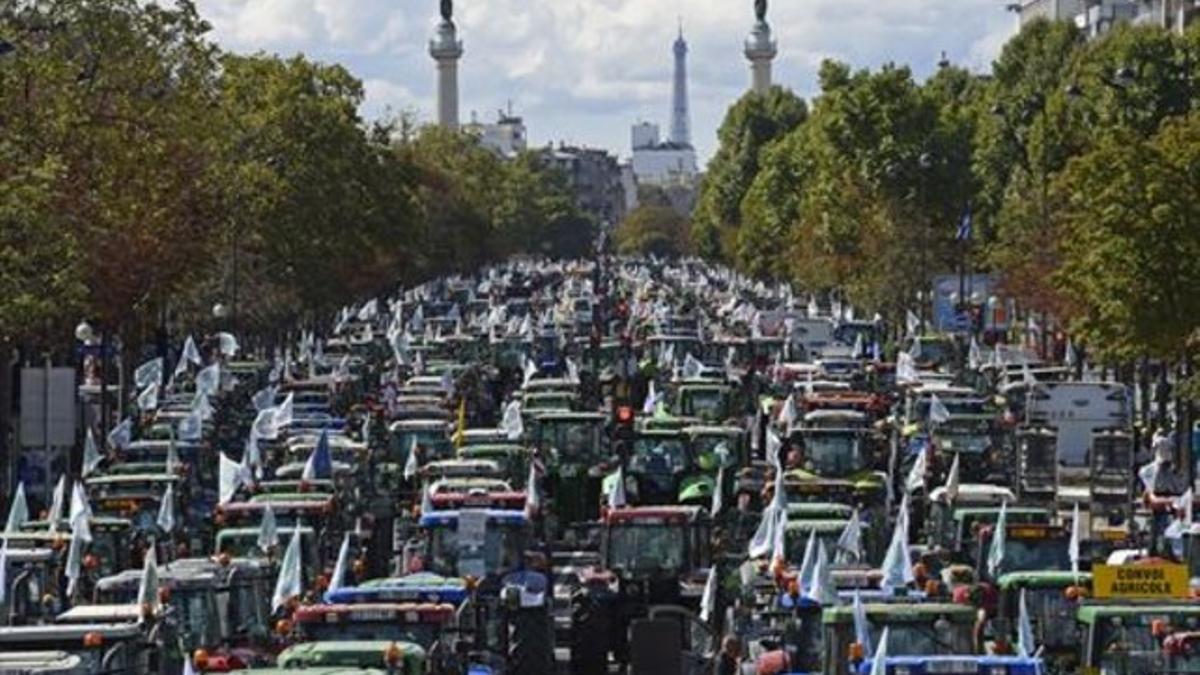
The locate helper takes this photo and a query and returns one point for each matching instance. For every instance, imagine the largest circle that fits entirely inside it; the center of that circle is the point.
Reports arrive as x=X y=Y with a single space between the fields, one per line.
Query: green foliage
x=653 y=230
x=750 y=125
x=144 y=173
x=1131 y=244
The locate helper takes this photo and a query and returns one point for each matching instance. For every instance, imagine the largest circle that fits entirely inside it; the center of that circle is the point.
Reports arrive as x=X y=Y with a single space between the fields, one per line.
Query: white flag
x=531 y=370
x=708 y=601
x=230 y=473
x=18 y=511
x=879 y=661
x=763 y=540
x=1072 y=357
x=268 y=532
x=849 y=544
x=56 y=505
x=938 y=412
x=427 y=500
x=974 y=355
x=572 y=371
x=411 y=464
x=189 y=355
x=512 y=424
x=264 y=398
x=788 y=414
x=191 y=428
x=862 y=627
x=285 y=412
x=147 y=400
x=651 y=401
x=91 y=453
x=533 y=500
x=995 y=559
x=916 y=475
x=823 y=589
x=228 y=345
x=338 y=579
x=912 y=323
x=774 y=445
x=691 y=367
x=906 y=369
x=208 y=381
x=897 y=563
x=288 y=584
x=81 y=509
x=809 y=564
x=148 y=588
x=1025 y=641
x=166 y=510
x=264 y=426
x=952 y=479
x=718 y=496
x=121 y=435
x=1148 y=474
x=616 y=492
x=148 y=373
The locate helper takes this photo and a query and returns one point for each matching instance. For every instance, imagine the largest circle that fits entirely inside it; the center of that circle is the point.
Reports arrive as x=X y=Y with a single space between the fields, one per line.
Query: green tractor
x=1052 y=598
x=574 y=448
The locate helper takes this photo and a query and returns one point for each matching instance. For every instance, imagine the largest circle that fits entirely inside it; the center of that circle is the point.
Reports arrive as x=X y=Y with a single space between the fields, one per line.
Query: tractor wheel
x=531 y=643
x=589 y=635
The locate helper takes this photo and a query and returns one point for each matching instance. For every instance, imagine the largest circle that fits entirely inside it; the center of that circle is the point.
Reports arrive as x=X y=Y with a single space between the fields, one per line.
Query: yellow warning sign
x=1140 y=582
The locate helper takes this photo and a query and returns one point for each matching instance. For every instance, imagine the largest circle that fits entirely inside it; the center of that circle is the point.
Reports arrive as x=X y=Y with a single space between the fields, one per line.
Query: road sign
x=47 y=407
x=1162 y=581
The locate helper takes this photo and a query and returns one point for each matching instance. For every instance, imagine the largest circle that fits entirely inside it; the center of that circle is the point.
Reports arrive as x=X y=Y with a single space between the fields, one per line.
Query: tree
x=750 y=125
x=1131 y=244
x=653 y=230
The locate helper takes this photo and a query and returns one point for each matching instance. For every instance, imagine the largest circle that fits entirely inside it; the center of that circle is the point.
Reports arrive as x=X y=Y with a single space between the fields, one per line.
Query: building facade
x=595 y=177
x=1097 y=17
x=506 y=137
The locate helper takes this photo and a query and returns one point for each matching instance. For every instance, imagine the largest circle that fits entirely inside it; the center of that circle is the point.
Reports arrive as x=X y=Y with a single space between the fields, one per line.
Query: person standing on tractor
x=729 y=660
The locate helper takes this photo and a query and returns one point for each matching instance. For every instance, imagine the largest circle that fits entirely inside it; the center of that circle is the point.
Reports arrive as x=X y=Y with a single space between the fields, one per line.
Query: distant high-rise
x=681 y=126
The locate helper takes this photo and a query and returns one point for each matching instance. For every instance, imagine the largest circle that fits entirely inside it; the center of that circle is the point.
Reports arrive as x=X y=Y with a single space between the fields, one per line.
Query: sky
x=583 y=71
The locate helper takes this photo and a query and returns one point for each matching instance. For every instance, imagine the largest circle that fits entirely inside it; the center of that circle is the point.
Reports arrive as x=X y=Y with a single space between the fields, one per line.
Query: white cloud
x=584 y=70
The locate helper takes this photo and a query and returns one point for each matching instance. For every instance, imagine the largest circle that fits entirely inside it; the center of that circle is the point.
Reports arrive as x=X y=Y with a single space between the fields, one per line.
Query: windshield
x=575 y=441
x=937 y=352
x=646 y=548
x=433 y=445
x=1125 y=644
x=911 y=638
x=371 y=630
x=499 y=551
x=796 y=540
x=972 y=437
x=703 y=403
x=1027 y=555
x=199 y=622
x=705 y=449
x=246 y=608
x=833 y=454
x=1052 y=616
x=659 y=456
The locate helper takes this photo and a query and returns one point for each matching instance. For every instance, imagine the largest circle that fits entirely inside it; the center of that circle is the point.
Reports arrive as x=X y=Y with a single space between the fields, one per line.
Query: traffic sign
x=1161 y=581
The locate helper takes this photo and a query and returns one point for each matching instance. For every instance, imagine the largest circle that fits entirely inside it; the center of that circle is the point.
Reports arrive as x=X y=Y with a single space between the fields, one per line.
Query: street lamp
x=220 y=311
x=84 y=332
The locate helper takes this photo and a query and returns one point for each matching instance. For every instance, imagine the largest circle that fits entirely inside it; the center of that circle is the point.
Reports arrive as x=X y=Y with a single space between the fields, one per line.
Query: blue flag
x=965 y=226
x=322 y=461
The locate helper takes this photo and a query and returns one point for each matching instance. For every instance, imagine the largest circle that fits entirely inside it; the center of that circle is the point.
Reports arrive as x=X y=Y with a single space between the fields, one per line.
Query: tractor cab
x=1028 y=546
x=1051 y=598
x=30 y=573
x=927 y=637
x=1128 y=638
x=657 y=551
